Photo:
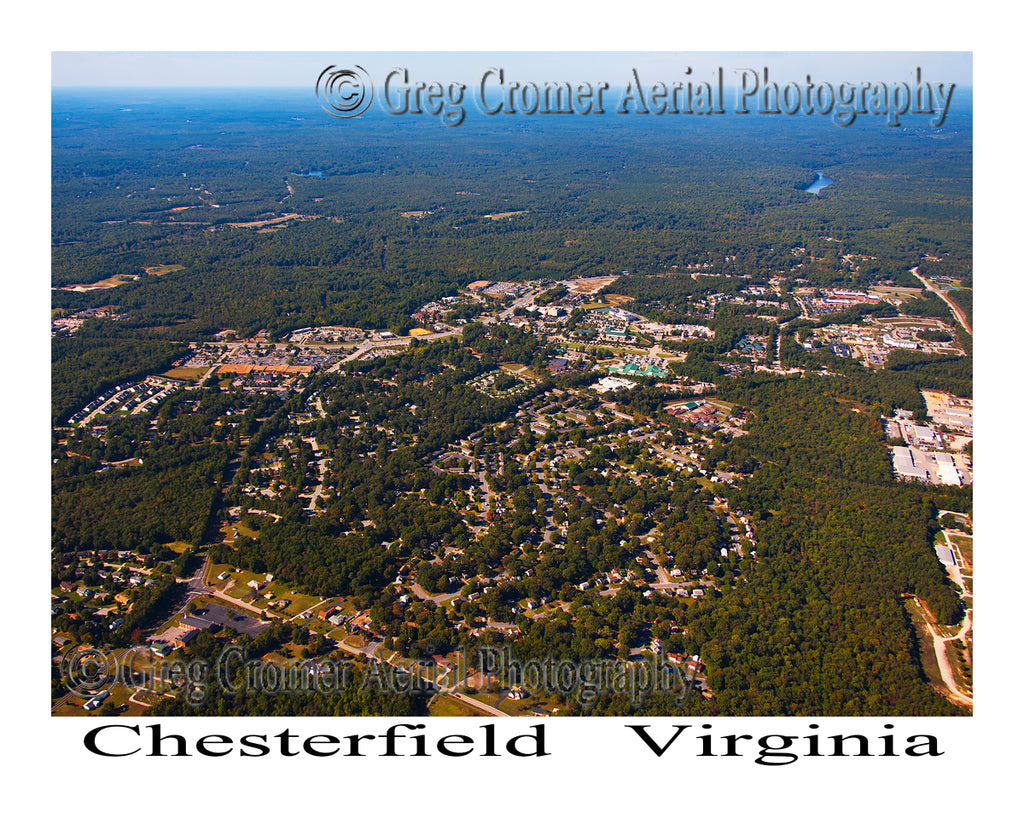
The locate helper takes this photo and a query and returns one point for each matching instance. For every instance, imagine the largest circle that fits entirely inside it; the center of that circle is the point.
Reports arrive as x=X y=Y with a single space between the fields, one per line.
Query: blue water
x=313 y=173
x=819 y=184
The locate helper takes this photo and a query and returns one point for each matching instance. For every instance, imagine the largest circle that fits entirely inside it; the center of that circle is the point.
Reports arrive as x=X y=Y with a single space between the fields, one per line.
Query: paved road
x=208 y=374
x=321 y=463
x=196 y=586
x=475 y=703
x=960 y=315
x=439 y=599
x=236 y=602
x=663 y=578
x=297 y=616
x=369 y=650
x=388 y=343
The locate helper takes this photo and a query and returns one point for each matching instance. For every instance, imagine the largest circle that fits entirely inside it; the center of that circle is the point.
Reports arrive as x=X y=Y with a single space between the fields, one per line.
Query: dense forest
x=584 y=199
x=135 y=192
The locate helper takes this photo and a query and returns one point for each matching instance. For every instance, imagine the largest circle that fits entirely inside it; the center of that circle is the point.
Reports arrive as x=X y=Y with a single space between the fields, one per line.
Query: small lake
x=320 y=174
x=820 y=183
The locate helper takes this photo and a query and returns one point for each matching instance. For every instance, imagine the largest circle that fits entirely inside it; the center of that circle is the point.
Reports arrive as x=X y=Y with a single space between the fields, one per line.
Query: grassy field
x=524 y=707
x=962 y=671
x=241 y=587
x=121 y=695
x=352 y=640
x=929 y=663
x=443 y=706
x=297 y=602
x=966 y=546
x=189 y=374
x=229 y=529
x=216 y=569
x=517 y=708
x=147 y=697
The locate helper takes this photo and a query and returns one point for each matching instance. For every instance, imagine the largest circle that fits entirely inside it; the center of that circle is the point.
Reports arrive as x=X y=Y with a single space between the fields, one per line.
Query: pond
x=819 y=184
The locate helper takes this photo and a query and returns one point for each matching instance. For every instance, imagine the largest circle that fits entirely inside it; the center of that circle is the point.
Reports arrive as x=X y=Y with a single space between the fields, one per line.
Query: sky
x=300 y=69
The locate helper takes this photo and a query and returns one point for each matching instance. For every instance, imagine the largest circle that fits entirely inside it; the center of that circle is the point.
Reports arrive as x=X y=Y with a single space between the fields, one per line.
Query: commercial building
x=613 y=383
x=903 y=463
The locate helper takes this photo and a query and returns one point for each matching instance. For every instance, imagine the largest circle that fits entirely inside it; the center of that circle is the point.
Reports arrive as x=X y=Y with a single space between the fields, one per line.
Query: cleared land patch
x=161 y=269
x=589 y=285
x=276 y=220
x=185 y=373
x=121 y=278
x=508 y=214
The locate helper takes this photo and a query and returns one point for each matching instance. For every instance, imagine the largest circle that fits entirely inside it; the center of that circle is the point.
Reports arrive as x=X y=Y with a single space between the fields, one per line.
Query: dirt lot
x=591 y=285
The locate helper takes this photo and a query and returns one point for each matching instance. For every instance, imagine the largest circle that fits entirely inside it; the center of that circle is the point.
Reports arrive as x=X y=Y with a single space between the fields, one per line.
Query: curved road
x=945 y=669
x=960 y=316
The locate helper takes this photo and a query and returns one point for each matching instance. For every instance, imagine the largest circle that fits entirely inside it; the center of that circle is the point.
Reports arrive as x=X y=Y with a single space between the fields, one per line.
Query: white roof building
x=612 y=383
x=924 y=434
x=903 y=463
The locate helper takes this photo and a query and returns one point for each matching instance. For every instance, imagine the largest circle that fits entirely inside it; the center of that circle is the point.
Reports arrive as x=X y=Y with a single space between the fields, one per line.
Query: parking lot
x=242 y=623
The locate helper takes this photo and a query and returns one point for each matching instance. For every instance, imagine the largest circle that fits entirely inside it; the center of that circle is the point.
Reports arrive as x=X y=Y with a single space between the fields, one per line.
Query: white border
x=597 y=771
